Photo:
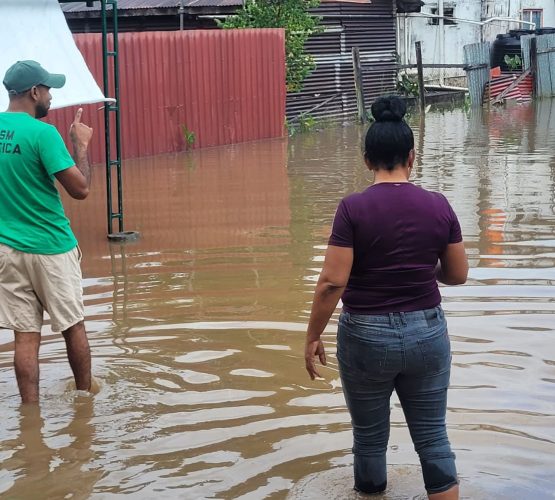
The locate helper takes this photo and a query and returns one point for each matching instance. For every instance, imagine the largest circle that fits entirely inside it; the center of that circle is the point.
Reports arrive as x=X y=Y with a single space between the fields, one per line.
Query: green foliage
x=466 y=105
x=290 y=128
x=306 y=123
x=513 y=63
x=407 y=85
x=188 y=136
x=299 y=24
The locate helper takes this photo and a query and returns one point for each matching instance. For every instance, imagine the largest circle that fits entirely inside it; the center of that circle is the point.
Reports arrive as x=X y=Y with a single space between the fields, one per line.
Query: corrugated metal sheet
x=545 y=76
x=361 y=23
x=153 y=4
x=477 y=56
x=525 y=42
x=369 y=26
x=212 y=3
x=226 y=86
x=526 y=88
x=545 y=45
x=150 y=4
x=499 y=84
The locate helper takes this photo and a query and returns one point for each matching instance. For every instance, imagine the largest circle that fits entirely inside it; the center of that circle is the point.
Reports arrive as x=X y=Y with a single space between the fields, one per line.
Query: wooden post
x=422 y=97
x=359 y=88
x=534 y=65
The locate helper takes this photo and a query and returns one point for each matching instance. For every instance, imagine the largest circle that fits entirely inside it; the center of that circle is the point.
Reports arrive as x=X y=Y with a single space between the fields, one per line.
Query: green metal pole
x=116 y=108
x=107 y=115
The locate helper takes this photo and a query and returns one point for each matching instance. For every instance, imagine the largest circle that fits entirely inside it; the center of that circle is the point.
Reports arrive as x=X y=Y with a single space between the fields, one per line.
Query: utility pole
x=181 y=11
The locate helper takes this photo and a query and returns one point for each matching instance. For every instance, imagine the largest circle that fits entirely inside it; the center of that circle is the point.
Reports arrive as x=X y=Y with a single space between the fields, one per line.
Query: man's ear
x=34 y=93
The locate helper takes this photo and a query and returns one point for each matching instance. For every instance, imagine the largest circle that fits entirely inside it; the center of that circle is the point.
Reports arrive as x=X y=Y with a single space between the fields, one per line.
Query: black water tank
x=406 y=6
x=505 y=44
x=520 y=32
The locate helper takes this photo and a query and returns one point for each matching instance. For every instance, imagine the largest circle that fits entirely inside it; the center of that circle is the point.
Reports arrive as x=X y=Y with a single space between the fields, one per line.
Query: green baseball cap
x=24 y=75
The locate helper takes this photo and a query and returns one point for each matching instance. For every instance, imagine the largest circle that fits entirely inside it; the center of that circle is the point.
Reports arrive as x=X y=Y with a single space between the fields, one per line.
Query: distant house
x=151 y=15
x=329 y=91
x=465 y=22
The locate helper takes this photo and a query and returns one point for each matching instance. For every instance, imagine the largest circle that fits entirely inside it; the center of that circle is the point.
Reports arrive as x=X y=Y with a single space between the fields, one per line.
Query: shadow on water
x=197 y=328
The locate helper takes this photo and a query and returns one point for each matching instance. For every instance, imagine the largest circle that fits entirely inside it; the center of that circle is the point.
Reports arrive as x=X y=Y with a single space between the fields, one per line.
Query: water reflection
x=52 y=455
x=197 y=329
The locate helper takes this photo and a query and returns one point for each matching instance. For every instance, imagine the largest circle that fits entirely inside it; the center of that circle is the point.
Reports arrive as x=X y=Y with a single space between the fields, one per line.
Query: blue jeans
x=408 y=352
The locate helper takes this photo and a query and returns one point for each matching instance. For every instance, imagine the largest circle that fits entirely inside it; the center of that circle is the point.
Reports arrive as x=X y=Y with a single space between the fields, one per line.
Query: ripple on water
x=251 y=372
x=274 y=347
x=193 y=377
x=203 y=356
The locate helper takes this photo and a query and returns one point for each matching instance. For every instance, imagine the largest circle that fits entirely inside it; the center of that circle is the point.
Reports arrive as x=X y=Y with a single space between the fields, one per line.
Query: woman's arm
x=452 y=268
x=333 y=280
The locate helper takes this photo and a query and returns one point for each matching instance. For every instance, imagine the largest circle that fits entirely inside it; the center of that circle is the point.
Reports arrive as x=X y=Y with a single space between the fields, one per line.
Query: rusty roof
x=150 y=4
x=169 y=4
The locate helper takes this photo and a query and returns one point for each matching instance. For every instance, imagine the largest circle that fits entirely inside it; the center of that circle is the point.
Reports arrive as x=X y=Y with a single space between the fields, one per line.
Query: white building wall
x=413 y=28
x=514 y=9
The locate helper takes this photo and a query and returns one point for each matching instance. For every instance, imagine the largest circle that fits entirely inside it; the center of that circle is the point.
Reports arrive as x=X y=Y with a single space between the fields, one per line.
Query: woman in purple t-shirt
x=389 y=247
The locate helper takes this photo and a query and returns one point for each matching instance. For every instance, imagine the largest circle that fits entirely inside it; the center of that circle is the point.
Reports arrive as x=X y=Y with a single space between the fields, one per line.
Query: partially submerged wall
x=223 y=86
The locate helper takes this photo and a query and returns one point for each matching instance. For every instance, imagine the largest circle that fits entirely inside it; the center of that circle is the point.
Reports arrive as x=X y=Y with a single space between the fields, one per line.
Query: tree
x=299 y=24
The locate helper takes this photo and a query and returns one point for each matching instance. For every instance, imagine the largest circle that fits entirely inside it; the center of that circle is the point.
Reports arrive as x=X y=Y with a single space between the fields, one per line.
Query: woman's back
x=397 y=232
x=389 y=245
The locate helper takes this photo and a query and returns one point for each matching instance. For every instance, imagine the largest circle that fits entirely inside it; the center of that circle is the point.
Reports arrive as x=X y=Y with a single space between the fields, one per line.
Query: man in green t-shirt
x=39 y=257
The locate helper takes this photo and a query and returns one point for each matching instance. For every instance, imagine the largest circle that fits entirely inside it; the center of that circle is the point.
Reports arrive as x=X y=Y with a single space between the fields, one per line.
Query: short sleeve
x=53 y=152
x=342 y=231
x=455 y=233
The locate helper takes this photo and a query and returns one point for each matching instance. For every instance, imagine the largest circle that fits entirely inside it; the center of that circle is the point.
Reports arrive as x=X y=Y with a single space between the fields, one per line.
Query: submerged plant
x=290 y=127
x=188 y=136
x=307 y=123
x=467 y=103
x=407 y=85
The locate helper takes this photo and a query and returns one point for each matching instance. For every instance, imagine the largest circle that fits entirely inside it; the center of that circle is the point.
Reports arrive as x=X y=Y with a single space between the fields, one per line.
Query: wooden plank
x=314 y=108
x=512 y=86
x=359 y=89
x=421 y=90
x=534 y=63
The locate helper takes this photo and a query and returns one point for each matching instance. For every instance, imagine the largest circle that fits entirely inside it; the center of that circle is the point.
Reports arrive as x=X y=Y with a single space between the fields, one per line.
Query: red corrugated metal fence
x=225 y=86
x=498 y=84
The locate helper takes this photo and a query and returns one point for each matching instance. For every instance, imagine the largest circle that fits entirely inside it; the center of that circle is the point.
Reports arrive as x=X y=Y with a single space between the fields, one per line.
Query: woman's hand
x=312 y=349
x=331 y=283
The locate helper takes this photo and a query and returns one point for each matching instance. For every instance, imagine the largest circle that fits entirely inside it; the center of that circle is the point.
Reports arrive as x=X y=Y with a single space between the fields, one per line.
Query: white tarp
x=37 y=29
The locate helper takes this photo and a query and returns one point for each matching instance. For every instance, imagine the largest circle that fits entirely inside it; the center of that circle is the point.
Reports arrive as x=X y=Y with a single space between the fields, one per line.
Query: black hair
x=389 y=139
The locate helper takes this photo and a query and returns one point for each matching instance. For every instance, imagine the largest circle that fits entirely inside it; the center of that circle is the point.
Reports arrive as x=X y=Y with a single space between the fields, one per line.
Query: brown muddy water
x=197 y=329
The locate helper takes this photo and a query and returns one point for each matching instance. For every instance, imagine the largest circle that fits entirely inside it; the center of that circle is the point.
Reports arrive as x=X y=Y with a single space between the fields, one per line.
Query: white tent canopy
x=37 y=30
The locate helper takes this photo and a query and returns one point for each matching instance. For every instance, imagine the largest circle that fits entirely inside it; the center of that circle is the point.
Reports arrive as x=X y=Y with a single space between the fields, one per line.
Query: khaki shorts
x=32 y=283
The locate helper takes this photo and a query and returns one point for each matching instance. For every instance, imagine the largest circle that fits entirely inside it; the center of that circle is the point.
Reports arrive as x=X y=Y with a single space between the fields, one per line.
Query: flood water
x=197 y=329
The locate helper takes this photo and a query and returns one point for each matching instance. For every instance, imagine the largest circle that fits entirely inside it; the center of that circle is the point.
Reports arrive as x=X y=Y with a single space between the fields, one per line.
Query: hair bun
x=389 y=109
